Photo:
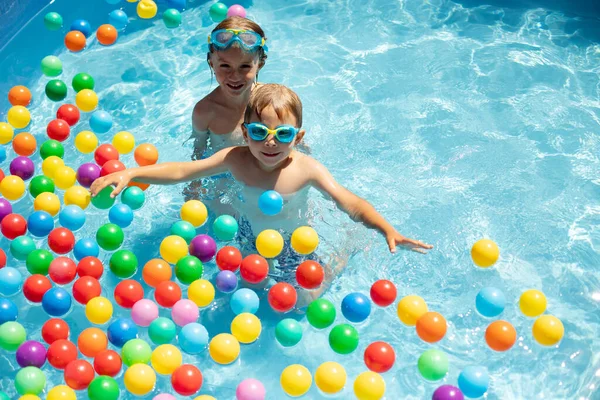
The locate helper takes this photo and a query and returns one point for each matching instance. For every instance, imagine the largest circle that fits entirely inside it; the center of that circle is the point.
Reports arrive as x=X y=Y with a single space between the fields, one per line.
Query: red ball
x=186 y=380
x=2 y=259
x=85 y=289
x=61 y=240
x=128 y=292
x=90 y=266
x=58 y=129
x=310 y=275
x=254 y=268
x=55 y=329
x=61 y=352
x=379 y=357
x=167 y=293
x=1 y=175
x=68 y=113
x=62 y=270
x=282 y=297
x=383 y=293
x=108 y=362
x=79 y=374
x=35 y=287
x=13 y=225
x=229 y=259
x=105 y=152
x=112 y=166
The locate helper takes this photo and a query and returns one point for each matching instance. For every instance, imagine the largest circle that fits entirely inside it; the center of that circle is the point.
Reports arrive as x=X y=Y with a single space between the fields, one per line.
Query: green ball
x=188 y=269
x=103 y=388
x=53 y=21
x=52 y=148
x=4 y=396
x=21 y=247
x=433 y=365
x=12 y=334
x=109 y=237
x=123 y=263
x=40 y=184
x=134 y=197
x=83 y=81
x=172 y=18
x=288 y=332
x=103 y=200
x=320 y=313
x=225 y=228
x=343 y=339
x=30 y=380
x=218 y=12
x=38 y=262
x=136 y=351
x=184 y=229
x=51 y=66
x=162 y=330
x=56 y=90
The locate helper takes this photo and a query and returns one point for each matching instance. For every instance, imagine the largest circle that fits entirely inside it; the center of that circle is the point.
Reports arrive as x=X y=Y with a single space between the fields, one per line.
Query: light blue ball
x=2 y=153
x=121 y=214
x=82 y=26
x=270 y=202
x=121 y=330
x=244 y=300
x=490 y=302
x=225 y=228
x=40 y=223
x=8 y=311
x=134 y=197
x=72 y=217
x=86 y=247
x=356 y=307
x=11 y=281
x=118 y=18
x=56 y=302
x=193 y=338
x=473 y=381
x=101 y=122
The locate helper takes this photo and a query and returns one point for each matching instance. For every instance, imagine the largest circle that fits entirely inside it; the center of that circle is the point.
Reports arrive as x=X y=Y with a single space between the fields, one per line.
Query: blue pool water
x=456 y=120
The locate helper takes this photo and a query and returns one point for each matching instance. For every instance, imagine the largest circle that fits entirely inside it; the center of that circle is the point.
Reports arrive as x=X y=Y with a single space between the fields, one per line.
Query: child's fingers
x=391 y=244
x=118 y=189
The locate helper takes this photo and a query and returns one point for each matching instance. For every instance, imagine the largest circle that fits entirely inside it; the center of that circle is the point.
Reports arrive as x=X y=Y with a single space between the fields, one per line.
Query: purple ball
x=22 y=167
x=203 y=247
x=87 y=173
x=447 y=392
x=226 y=281
x=5 y=208
x=31 y=354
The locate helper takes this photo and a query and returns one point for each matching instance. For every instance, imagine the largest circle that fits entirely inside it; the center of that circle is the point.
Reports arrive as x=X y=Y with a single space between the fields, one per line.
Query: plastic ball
x=12 y=187
x=330 y=377
x=218 y=12
x=162 y=331
x=35 y=286
x=410 y=309
x=282 y=297
x=310 y=274
x=68 y=113
x=180 y=228
x=304 y=240
x=86 y=100
x=379 y=357
x=103 y=199
x=144 y=312
x=48 y=202
x=356 y=307
x=38 y=261
x=184 y=312
x=490 y=302
x=40 y=184
x=103 y=388
x=139 y=379
x=30 y=380
x=79 y=374
x=105 y=153
x=18 y=117
x=61 y=392
x=236 y=11
x=49 y=166
x=431 y=327
x=12 y=335
x=110 y=237
x=121 y=214
x=85 y=289
x=485 y=253
x=82 y=81
x=128 y=292
x=123 y=263
x=99 y=310
x=171 y=18
x=10 y=281
x=91 y=342
x=6 y=133
x=2 y=259
x=224 y=348
x=532 y=303
x=60 y=353
x=8 y=311
x=31 y=354
x=147 y=154
x=112 y=166
x=254 y=269
x=320 y=313
x=447 y=392
x=19 y=96
x=246 y=328
x=72 y=217
x=21 y=247
x=90 y=266
x=64 y=177
x=62 y=270
x=24 y=144
x=369 y=386
x=134 y=197
x=188 y=269
x=5 y=208
x=500 y=335
x=146 y=9
x=85 y=247
x=547 y=330
x=250 y=389
x=121 y=331
x=473 y=381
x=226 y=281
x=156 y=271
x=13 y=226
x=295 y=380
x=100 y=121
x=229 y=258
x=106 y=34
x=108 y=362
x=58 y=130
x=193 y=338
x=270 y=203
x=167 y=294
x=22 y=167
x=82 y=26
x=56 y=90
x=55 y=329
x=225 y=228
x=173 y=248
x=343 y=339
x=61 y=240
x=75 y=41
x=269 y=243
x=186 y=380
x=244 y=301
x=165 y=359
x=51 y=66
x=86 y=142
x=203 y=247
x=136 y=351
x=53 y=21
x=118 y=19
x=433 y=365
x=288 y=332
x=194 y=212
x=201 y=292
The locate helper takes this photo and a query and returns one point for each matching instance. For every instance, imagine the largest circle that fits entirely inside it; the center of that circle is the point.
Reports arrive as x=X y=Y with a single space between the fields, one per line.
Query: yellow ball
x=99 y=310
x=369 y=386
x=246 y=327
x=172 y=248
x=86 y=100
x=139 y=379
x=330 y=377
x=48 y=202
x=132 y=1
x=124 y=142
x=12 y=187
x=532 y=303
x=19 y=117
x=194 y=212
x=201 y=292
x=485 y=253
x=410 y=309
x=64 y=177
x=29 y=397
x=224 y=348
x=61 y=392
x=305 y=240
x=269 y=243
x=165 y=359
x=86 y=142
x=205 y=397
x=51 y=164
x=6 y=133
x=78 y=196
x=295 y=380
x=147 y=9
x=548 y=330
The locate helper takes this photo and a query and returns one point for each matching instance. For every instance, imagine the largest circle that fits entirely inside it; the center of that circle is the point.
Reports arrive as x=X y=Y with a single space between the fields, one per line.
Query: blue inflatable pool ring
x=56 y=302
x=121 y=330
x=40 y=223
x=72 y=217
x=82 y=26
x=86 y=247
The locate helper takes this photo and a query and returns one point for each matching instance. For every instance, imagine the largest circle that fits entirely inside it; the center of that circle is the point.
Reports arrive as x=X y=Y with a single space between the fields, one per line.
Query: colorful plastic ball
x=61 y=392
x=30 y=380
x=532 y=303
x=500 y=335
x=82 y=81
x=99 y=310
x=270 y=202
x=55 y=329
x=229 y=258
x=13 y=226
x=310 y=274
x=87 y=173
x=201 y=292
x=53 y=21
x=147 y=154
x=156 y=271
x=68 y=113
x=19 y=96
x=62 y=270
x=50 y=164
x=22 y=167
x=139 y=379
x=64 y=177
x=112 y=166
x=121 y=331
x=12 y=187
x=184 y=312
x=320 y=313
x=244 y=301
x=82 y=26
x=2 y=158
x=379 y=357
x=225 y=227
x=218 y=12
x=58 y=130
x=226 y=281
x=356 y=307
x=123 y=263
x=90 y=266
x=224 y=348
x=167 y=294
x=86 y=142
x=72 y=217
x=282 y=297
x=2 y=258
x=269 y=243
x=48 y=202
x=193 y=338
x=134 y=197
x=103 y=199
x=8 y=311
x=86 y=100
x=250 y=389
x=85 y=289
x=343 y=339
x=104 y=388
x=121 y=214
x=77 y=196
x=431 y=327
x=447 y=392
x=236 y=11
x=118 y=19
x=369 y=386
x=6 y=133
x=136 y=351
x=75 y=41
x=18 y=117
x=165 y=359
x=51 y=66
x=61 y=240
x=173 y=248
x=410 y=309
x=295 y=380
x=101 y=121
x=181 y=228
x=12 y=335
x=108 y=362
x=146 y=9
x=79 y=374
x=91 y=342
x=10 y=281
x=104 y=153
x=194 y=212
x=144 y=312
x=35 y=287
x=21 y=247
x=5 y=208
x=110 y=237
x=56 y=90
x=490 y=302
x=188 y=269
x=485 y=253
x=52 y=147
x=172 y=18
x=24 y=144
x=85 y=247
x=433 y=365
x=162 y=331
x=60 y=353
x=547 y=330
x=330 y=377
x=106 y=34
x=186 y=380
x=288 y=332
x=254 y=269
x=246 y=328
x=128 y=292
x=203 y=247
x=473 y=381
x=31 y=354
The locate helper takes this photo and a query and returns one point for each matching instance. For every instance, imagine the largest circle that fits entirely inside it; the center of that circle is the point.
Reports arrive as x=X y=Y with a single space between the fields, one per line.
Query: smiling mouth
x=270 y=155
x=236 y=87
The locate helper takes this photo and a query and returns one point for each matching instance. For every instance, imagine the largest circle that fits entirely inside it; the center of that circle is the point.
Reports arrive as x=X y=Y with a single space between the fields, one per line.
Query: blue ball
x=356 y=307
x=244 y=300
x=8 y=311
x=101 y=122
x=85 y=247
x=56 y=302
x=72 y=217
x=270 y=202
x=118 y=19
x=490 y=302
x=121 y=330
x=2 y=153
x=121 y=214
x=226 y=281
x=473 y=381
x=82 y=26
x=11 y=281
x=40 y=223
x=177 y=4
x=193 y=338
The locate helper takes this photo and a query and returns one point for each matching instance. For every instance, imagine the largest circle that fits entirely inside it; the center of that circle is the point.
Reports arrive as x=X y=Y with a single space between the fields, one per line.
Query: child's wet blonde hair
x=281 y=98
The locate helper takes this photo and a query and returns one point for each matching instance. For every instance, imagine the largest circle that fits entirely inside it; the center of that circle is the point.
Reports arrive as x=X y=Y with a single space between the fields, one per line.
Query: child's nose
x=270 y=141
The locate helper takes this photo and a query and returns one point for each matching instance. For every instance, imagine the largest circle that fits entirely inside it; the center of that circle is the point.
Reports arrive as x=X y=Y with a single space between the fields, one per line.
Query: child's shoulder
x=204 y=112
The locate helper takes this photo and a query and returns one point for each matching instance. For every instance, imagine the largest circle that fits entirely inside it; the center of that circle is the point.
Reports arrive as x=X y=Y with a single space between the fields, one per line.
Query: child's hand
x=118 y=179
x=394 y=238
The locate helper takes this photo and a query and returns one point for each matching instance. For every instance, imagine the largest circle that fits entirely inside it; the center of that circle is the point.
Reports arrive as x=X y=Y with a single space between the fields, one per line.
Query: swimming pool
x=457 y=120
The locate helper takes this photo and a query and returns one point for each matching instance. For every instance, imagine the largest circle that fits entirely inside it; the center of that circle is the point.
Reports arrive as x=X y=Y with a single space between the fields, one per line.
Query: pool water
x=456 y=120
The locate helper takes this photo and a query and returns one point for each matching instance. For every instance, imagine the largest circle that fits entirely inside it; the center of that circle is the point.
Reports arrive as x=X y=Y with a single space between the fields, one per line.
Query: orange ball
x=19 y=96
x=91 y=342
x=24 y=144
x=141 y=185
x=431 y=327
x=106 y=34
x=75 y=41
x=500 y=335
x=156 y=271
x=145 y=154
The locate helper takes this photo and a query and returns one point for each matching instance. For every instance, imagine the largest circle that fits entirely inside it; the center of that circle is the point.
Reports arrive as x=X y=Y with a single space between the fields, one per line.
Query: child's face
x=235 y=69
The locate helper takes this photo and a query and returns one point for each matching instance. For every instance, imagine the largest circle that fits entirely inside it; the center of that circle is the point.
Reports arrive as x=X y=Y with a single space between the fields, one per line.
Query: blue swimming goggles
x=283 y=133
x=248 y=40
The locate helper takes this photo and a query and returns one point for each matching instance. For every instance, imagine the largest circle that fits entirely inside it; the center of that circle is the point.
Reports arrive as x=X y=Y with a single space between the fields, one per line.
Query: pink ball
x=144 y=312
x=185 y=312
x=236 y=11
x=250 y=389
x=164 y=397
